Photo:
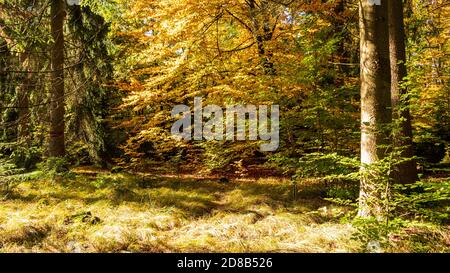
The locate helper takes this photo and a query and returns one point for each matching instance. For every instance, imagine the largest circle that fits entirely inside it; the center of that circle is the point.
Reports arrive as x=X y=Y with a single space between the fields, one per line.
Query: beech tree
x=405 y=171
x=375 y=100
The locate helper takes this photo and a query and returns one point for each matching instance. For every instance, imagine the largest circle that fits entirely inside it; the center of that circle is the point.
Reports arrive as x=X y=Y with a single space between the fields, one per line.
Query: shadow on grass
x=219 y=196
x=192 y=197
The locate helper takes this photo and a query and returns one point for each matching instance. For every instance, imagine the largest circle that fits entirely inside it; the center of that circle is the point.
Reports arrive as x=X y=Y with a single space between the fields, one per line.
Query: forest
x=225 y=126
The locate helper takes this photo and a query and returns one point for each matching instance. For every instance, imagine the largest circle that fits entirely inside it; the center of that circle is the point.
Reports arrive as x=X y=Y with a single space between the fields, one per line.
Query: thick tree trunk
x=375 y=101
x=56 y=141
x=406 y=171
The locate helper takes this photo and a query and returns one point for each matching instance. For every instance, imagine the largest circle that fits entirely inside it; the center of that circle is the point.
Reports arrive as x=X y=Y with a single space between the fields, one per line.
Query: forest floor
x=92 y=211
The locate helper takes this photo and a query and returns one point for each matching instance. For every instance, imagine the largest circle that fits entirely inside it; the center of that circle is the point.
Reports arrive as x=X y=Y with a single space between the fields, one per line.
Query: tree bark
x=375 y=101
x=406 y=171
x=57 y=111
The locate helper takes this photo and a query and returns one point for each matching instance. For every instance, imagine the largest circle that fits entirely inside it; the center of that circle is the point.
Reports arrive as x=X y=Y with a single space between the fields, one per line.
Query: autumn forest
x=235 y=126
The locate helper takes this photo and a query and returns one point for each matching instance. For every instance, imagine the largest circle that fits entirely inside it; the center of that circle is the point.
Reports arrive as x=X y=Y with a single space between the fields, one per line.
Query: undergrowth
x=96 y=211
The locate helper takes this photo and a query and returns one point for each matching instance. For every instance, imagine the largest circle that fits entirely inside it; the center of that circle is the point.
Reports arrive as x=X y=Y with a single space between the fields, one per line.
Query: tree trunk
x=263 y=32
x=4 y=58
x=56 y=141
x=375 y=101
x=406 y=171
x=23 y=93
x=339 y=27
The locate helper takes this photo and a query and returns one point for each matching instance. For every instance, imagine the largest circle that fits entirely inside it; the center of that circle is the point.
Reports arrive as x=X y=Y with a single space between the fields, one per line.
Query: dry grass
x=120 y=213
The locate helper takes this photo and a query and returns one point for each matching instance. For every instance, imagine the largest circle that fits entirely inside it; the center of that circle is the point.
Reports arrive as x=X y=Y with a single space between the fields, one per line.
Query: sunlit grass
x=121 y=213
